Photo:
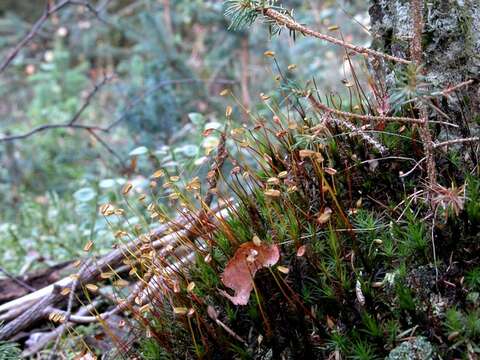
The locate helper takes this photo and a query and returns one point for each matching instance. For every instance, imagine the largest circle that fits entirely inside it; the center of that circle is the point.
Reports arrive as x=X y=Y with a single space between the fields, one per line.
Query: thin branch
x=17 y=281
x=89 y=98
x=456 y=141
x=402 y=174
x=95 y=11
x=72 y=123
x=293 y=25
x=49 y=10
x=43 y=128
x=451 y=89
x=416 y=7
x=91 y=128
x=106 y=146
x=319 y=106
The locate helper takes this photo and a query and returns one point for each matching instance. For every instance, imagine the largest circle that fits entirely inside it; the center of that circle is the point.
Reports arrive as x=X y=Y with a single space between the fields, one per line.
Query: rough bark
x=451 y=51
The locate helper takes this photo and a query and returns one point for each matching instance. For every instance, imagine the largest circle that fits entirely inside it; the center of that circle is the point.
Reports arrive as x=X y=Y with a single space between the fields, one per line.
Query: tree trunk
x=451 y=53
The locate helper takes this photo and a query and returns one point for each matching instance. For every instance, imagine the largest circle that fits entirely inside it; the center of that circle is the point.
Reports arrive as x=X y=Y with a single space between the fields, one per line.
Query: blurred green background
x=169 y=60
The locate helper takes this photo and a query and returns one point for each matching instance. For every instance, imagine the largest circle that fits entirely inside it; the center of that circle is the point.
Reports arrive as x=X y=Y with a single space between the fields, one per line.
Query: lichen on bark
x=451 y=36
x=451 y=53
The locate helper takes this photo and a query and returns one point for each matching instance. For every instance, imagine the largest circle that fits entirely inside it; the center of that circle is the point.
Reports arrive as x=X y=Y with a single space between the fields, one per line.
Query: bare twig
x=15 y=280
x=319 y=106
x=51 y=295
x=293 y=25
x=417 y=164
x=45 y=338
x=138 y=100
x=72 y=123
x=106 y=146
x=451 y=89
x=212 y=313
x=456 y=141
x=49 y=10
x=89 y=98
x=43 y=128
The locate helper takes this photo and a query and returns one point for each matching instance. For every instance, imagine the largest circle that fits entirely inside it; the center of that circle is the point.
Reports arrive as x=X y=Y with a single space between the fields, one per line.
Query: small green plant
x=151 y=350
x=9 y=350
x=472 y=279
x=362 y=350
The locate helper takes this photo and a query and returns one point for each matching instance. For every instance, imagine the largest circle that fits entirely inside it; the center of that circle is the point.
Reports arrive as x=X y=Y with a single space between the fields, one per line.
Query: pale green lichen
x=451 y=51
x=417 y=349
x=451 y=36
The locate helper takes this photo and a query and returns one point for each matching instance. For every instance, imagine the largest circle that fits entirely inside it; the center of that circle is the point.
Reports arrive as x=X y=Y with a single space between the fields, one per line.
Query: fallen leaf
x=240 y=270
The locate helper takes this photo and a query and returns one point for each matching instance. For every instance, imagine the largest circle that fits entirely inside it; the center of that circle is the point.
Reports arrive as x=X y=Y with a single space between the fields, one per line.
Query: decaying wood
x=47 y=298
x=16 y=287
x=50 y=295
x=37 y=341
x=184 y=229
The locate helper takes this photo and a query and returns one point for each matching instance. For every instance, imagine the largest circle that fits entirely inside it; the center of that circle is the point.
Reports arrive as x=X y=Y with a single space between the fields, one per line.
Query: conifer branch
x=319 y=106
x=294 y=26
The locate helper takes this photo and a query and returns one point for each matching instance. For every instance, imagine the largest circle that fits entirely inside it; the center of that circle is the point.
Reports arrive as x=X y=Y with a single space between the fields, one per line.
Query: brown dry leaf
x=241 y=269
